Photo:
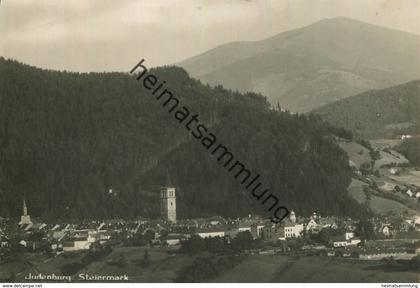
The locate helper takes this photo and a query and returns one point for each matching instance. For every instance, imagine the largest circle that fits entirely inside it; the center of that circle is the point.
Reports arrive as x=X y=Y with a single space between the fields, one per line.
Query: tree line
x=95 y=146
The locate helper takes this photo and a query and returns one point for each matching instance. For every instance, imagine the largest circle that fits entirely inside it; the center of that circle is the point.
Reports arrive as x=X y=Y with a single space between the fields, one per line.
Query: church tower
x=292 y=217
x=168 y=202
x=25 y=219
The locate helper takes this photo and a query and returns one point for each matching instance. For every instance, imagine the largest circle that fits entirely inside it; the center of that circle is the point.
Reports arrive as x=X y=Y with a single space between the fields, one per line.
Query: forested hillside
x=67 y=138
x=410 y=148
x=305 y=169
x=378 y=113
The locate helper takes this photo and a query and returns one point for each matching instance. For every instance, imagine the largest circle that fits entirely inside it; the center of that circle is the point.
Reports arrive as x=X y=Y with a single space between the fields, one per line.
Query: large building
x=168 y=203
x=292 y=229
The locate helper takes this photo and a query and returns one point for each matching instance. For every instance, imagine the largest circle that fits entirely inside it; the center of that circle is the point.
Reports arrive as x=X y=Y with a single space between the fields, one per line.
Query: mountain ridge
x=191 y=58
x=308 y=67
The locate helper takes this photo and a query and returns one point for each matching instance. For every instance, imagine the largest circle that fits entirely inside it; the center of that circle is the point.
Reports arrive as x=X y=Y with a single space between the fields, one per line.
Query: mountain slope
x=383 y=113
x=306 y=68
x=67 y=138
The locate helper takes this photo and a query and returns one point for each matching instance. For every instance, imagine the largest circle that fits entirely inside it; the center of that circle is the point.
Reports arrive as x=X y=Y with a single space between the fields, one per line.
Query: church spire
x=25 y=219
x=168 y=179
x=25 y=209
x=168 y=200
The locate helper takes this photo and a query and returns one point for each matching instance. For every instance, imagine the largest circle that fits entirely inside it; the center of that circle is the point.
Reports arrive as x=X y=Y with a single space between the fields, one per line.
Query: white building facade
x=168 y=204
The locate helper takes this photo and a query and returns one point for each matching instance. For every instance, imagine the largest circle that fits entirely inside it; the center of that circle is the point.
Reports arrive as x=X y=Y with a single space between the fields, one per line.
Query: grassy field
x=163 y=267
x=389 y=158
x=412 y=178
x=384 y=143
x=382 y=206
x=310 y=269
x=356 y=190
x=377 y=204
x=35 y=263
x=357 y=153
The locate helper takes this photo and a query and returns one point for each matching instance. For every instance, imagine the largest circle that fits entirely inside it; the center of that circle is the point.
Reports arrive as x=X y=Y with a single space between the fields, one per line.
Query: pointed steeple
x=168 y=179
x=25 y=209
x=25 y=219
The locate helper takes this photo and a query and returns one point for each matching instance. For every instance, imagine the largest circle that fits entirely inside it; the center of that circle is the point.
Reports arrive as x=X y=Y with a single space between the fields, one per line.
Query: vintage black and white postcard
x=196 y=141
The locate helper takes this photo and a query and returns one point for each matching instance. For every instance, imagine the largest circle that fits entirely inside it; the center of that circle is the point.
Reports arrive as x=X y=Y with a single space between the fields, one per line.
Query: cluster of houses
x=292 y=228
x=63 y=238
x=407 y=190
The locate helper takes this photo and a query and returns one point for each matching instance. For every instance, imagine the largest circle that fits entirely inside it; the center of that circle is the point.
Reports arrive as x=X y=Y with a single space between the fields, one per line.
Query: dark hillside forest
x=66 y=139
x=385 y=113
x=410 y=148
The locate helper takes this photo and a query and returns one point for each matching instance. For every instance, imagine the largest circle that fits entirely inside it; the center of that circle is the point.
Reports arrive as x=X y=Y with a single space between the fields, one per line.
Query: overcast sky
x=105 y=35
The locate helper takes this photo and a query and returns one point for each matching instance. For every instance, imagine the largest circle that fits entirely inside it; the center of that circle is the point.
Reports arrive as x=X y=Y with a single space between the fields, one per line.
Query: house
x=37 y=245
x=312 y=225
x=77 y=244
x=313 y=247
x=256 y=230
x=293 y=227
x=405 y=225
x=173 y=239
x=354 y=241
x=393 y=171
x=101 y=236
x=317 y=223
x=385 y=230
x=341 y=241
x=273 y=232
x=407 y=136
x=55 y=245
x=418 y=194
x=244 y=227
x=327 y=222
x=293 y=230
x=58 y=234
x=290 y=228
x=211 y=232
x=349 y=235
x=409 y=193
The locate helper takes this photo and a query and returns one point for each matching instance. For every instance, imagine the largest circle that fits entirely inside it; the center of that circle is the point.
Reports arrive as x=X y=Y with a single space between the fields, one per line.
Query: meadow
x=164 y=266
x=311 y=269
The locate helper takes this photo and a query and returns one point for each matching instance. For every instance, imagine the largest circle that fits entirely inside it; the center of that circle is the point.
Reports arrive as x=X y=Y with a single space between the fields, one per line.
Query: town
x=393 y=237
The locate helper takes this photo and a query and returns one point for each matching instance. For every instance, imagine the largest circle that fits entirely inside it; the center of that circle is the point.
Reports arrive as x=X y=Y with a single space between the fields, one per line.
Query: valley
x=383 y=184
